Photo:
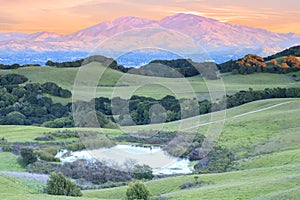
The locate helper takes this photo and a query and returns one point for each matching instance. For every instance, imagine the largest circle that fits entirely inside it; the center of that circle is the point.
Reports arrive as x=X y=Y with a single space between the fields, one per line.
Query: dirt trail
x=240 y=115
x=41 y=178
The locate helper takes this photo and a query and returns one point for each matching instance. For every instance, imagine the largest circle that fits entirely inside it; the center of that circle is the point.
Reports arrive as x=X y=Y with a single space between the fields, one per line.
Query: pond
x=155 y=157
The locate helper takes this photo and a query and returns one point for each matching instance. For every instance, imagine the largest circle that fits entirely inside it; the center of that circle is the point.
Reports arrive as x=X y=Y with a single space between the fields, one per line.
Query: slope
x=156 y=87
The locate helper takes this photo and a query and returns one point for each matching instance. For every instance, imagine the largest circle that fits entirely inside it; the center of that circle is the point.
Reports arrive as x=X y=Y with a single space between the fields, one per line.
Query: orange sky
x=67 y=16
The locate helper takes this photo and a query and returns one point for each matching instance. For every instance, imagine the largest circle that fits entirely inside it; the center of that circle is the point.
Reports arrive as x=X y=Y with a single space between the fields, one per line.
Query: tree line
x=26 y=104
x=252 y=63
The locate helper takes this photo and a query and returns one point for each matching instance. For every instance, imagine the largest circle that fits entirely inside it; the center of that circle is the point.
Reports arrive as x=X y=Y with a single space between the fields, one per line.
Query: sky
x=68 y=16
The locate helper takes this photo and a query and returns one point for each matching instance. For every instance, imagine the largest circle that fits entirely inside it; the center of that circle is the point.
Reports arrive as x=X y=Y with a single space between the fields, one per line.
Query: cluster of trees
x=177 y=69
x=16 y=66
x=26 y=105
x=52 y=89
x=161 y=68
x=27 y=156
x=291 y=61
x=109 y=62
x=12 y=79
x=243 y=97
x=99 y=172
x=251 y=60
x=141 y=112
x=252 y=63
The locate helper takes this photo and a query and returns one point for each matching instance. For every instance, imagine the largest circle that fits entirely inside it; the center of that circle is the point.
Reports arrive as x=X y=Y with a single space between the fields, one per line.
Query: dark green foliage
x=75 y=146
x=65 y=134
x=48 y=154
x=197 y=182
x=26 y=105
x=218 y=160
x=15 y=118
x=94 y=171
x=16 y=66
x=177 y=68
x=64 y=122
x=12 y=79
x=148 y=137
x=27 y=156
x=142 y=172
x=42 y=167
x=58 y=184
x=107 y=62
x=137 y=190
x=103 y=105
x=187 y=185
x=55 y=90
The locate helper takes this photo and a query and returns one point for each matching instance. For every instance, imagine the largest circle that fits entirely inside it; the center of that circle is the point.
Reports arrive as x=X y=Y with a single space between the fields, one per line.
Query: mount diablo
x=215 y=37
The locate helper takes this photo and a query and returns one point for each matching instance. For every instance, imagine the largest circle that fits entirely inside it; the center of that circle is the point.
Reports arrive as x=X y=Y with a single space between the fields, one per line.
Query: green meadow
x=263 y=135
x=113 y=83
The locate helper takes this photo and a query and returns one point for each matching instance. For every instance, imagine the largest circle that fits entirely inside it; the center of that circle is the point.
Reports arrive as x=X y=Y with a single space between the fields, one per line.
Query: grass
x=28 y=133
x=245 y=184
x=266 y=144
x=272 y=182
x=156 y=87
x=11 y=162
x=271 y=160
x=13 y=186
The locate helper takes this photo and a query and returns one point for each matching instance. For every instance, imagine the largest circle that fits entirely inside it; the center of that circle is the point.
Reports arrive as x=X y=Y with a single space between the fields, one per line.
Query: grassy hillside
x=263 y=135
x=278 y=182
x=29 y=133
x=157 y=87
x=16 y=189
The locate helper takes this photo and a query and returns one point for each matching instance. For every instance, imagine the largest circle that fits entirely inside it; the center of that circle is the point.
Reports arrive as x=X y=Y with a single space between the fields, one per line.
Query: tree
x=137 y=190
x=15 y=118
x=142 y=172
x=58 y=184
x=274 y=62
x=27 y=156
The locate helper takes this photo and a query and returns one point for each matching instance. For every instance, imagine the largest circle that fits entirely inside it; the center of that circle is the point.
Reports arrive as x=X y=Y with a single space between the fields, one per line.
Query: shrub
x=42 y=167
x=58 y=184
x=64 y=122
x=75 y=146
x=142 y=172
x=27 y=156
x=137 y=190
x=94 y=171
x=48 y=154
x=15 y=118
x=187 y=185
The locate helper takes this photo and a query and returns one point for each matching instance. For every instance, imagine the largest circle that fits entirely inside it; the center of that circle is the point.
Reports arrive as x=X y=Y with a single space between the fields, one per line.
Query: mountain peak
x=187 y=17
x=131 y=20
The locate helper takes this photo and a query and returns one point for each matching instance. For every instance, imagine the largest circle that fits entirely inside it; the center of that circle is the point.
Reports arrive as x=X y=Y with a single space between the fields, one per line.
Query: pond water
x=155 y=157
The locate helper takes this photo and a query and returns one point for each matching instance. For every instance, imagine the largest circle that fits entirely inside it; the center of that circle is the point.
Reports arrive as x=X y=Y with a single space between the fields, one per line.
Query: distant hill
x=282 y=62
x=293 y=51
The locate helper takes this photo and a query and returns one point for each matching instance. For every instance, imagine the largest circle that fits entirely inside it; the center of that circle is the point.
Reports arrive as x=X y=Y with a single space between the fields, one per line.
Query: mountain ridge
x=215 y=37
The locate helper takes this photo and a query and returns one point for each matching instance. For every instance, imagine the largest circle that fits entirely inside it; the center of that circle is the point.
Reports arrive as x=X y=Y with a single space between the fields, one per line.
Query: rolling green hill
x=263 y=135
x=158 y=87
